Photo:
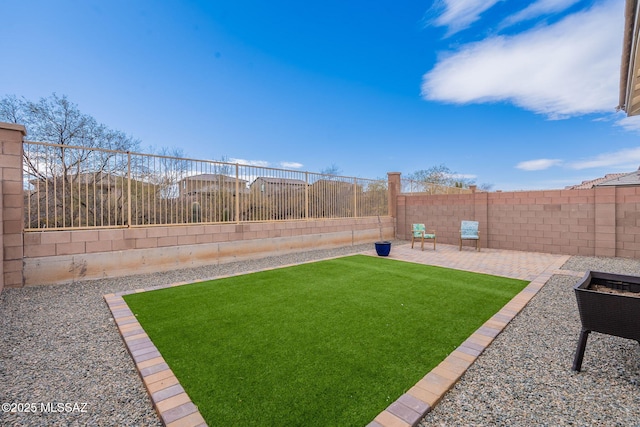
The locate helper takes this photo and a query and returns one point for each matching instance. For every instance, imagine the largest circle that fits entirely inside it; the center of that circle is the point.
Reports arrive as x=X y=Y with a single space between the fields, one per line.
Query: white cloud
x=623 y=159
x=266 y=164
x=565 y=69
x=539 y=8
x=291 y=165
x=538 y=164
x=461 y=176
x=459 y=14
x=630 y=123
x=261 y=163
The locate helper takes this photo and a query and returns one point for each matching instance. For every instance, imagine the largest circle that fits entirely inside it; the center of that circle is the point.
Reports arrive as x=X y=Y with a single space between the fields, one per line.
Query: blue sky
x=510 y=93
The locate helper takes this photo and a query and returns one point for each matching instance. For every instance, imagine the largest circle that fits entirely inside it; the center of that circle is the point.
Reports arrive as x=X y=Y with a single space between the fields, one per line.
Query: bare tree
x=442 y=176
x=439 y=175
x=57 y=172
x=331 y=170
x=11 y=110
x=59 y=121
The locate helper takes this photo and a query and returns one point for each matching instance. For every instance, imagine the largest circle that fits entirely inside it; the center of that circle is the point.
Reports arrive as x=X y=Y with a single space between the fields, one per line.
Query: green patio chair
x=469 y=231
x=418 y=231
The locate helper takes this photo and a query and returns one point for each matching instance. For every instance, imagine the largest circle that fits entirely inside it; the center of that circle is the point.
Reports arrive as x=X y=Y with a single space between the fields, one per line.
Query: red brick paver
x=173 y=405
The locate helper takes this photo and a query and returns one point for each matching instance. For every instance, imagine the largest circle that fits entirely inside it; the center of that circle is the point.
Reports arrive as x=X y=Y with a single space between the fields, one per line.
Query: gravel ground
x=524 y=377
x=59 y=345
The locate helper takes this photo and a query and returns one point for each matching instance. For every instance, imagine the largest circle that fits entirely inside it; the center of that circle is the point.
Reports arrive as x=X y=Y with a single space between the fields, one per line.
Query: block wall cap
x=13 y=126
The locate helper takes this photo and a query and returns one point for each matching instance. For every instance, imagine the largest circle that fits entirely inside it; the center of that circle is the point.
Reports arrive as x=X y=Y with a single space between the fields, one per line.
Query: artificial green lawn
x=330 y=343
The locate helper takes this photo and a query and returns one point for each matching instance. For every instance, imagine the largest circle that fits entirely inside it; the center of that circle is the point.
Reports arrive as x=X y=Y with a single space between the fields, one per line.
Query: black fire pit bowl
x=607 y=312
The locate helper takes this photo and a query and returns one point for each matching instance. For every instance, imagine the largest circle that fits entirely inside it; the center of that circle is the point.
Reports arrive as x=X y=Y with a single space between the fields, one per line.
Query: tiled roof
x=598 y=181
x=632 y=178
x=212 y=177
x=288 y=181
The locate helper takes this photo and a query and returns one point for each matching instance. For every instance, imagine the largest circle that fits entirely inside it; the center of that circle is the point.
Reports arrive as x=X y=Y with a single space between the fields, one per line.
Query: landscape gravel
x=59 y=345
x=524 y=377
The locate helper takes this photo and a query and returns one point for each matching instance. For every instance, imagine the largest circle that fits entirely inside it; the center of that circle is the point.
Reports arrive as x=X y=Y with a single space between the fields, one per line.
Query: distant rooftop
x=610 y=179
x=632 y=178
x=281 y=181
x=593 y=182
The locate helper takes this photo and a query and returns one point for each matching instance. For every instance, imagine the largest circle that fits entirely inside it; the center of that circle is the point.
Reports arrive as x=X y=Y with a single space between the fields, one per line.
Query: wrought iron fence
x=410 y=186
x=78 y=187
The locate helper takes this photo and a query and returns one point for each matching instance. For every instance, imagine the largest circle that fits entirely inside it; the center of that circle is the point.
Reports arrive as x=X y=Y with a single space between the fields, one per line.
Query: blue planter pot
x=383 y=248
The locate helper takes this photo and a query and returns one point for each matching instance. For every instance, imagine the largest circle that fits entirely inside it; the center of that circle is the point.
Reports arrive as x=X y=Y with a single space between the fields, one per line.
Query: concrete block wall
x=556 y=221
x=627 y=222
x=73 y=255
x=603 y=221
x=11 y=204
x=438 y=212
x=42 y=257
x=595 y=222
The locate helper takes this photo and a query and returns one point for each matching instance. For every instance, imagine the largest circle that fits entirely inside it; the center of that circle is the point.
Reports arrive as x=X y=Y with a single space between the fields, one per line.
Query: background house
x=210 y=183
x=332 y=198
x=276 y=199
x=626 y=179
x=211 y=197
x=270 y=186
x=595 y=182
x=610 y=180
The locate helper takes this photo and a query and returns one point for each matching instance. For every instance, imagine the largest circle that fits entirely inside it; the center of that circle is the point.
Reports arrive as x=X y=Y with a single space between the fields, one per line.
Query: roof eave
x=629 y=61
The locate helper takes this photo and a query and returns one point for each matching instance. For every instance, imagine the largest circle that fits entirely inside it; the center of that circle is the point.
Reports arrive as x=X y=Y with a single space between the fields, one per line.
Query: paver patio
x=513 y=264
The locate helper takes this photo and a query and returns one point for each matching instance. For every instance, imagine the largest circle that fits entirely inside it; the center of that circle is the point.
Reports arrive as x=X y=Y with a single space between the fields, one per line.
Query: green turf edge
x=401 y=321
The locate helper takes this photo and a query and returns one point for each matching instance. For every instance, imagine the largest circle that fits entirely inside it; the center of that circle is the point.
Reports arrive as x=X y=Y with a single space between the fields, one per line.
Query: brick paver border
x=412 y=406
x=176 y=409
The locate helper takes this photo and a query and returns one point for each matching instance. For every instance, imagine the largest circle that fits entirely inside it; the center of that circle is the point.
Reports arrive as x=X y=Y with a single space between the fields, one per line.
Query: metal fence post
x=237 y=198
x=128 y=188
x=306 y=195
x=355 y=197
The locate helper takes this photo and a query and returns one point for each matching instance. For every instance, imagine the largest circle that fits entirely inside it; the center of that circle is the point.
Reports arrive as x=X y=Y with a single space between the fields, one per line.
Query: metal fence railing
x=409 y=186
x=77 y=187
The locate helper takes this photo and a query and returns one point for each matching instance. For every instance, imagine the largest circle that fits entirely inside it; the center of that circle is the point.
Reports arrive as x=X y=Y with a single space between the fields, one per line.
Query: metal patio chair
x=418 y=231
x=469 y=231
